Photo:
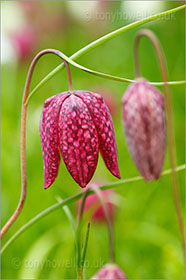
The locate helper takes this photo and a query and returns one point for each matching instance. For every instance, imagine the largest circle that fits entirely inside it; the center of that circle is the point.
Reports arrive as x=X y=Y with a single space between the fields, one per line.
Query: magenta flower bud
x=93 y=205
x=109 y=271
x=78 y=125
x=144 y=125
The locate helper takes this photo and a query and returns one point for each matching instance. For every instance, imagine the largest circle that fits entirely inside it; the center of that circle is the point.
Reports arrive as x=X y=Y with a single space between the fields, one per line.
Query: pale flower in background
x=136 y=10
x=8 y=53
x=12 y=17
x=84 y=11
x=11 y=20
x=17 y=39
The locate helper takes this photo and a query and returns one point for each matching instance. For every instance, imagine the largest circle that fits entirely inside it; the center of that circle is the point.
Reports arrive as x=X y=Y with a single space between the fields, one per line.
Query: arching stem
x=23 y=132
x=72 y=199
x=109 y=222
x=105 y=39
x=79 y=225
x=82 y=206
x=161 y=58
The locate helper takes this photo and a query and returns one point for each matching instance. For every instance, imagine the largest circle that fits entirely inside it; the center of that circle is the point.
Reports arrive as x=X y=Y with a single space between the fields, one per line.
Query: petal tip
x=118 y=176
x=83 y=185
x=116 y=173
x=46 y=186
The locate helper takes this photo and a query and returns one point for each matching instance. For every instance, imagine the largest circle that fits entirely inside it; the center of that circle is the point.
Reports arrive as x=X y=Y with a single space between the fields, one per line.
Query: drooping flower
x=144 y=125
x=78 y=125
x=93 y=205
x=110 y=271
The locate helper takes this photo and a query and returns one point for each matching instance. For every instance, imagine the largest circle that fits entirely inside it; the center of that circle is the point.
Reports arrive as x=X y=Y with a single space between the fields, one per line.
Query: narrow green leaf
x=69 y=216
x=72 y=199
x=85 y=246
x=103 y=75
x=104 y=39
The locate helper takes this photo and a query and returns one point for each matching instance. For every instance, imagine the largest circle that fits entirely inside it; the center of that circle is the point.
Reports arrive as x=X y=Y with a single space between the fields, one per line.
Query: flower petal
x=144 y=124
x=110 y=271
x=49 y=137
x=105 y=129
x=78 y=140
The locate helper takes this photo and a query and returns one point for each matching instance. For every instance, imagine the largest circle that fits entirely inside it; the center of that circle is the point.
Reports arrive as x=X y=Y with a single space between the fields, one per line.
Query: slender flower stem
x=80 y=257
x=102 y=75
x=79 y=225
x=72 y=199
x=85 y=245
x=23 y=169
x=80 y=274
x=82 y=206
x=106 y=38
x=23 y=133
x=161 y=58
x=109 y=222
x=69 y=216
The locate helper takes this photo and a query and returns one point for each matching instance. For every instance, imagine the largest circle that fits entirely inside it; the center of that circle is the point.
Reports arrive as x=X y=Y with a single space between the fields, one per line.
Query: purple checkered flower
x=78 y=125
x=144 y=125
x=110 y=271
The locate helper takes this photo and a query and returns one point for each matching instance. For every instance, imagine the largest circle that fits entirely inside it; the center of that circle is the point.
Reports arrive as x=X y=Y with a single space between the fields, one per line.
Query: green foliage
x=146 y=232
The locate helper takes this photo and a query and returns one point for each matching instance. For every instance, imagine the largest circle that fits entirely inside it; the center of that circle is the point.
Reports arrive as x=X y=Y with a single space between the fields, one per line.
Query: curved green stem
x=102 y=75
x=83 y=254
x=69 y=216
x=72 y=199
x=79 y=226
x=82 y=206
x=76 y=238
x=85 y=245
x=106 y=38
x=23 y=134
x=162 y=62
x=109 y=222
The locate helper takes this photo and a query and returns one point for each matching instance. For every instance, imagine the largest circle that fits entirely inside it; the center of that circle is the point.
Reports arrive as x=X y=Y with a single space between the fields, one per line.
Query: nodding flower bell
x=144 y=125
x=93 y=205
x=78 y=124
x=110 y=271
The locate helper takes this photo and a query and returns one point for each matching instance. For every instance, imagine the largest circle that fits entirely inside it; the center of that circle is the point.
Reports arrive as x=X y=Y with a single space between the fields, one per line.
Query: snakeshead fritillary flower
x=144 y=124
x=78 y=125
x=93 y=205
x=109 y=271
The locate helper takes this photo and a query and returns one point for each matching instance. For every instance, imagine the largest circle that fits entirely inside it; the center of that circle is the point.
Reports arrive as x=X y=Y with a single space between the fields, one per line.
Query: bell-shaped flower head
x=77 y=124
x=110 y=271
x=144 y=125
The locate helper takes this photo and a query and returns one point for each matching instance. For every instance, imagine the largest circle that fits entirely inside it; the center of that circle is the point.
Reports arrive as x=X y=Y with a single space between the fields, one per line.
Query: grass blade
x=72 y=199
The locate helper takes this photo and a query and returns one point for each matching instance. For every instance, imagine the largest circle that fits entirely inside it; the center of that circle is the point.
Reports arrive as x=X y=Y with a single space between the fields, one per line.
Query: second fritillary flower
x=78 y=125
x=110 y=272
x=144 y=124
x=94 y=207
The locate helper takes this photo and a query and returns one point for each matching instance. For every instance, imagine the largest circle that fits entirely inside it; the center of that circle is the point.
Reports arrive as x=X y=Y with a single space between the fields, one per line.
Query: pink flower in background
x=78 y=125
x=93 y=205
x=110 y=271
x=24 y=42
x=144 y=124
x=35 y=14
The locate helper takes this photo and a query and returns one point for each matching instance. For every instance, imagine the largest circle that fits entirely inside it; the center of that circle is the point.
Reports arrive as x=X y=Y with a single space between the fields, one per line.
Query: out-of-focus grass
x=146 y=231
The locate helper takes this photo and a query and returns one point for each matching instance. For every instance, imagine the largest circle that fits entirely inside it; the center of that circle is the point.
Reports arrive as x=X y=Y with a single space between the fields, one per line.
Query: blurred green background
x=146 y=231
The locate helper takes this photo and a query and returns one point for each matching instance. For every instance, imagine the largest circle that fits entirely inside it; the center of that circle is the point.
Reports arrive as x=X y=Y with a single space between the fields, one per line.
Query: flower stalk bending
x=161 y=58
x=23 y=133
